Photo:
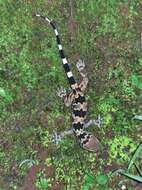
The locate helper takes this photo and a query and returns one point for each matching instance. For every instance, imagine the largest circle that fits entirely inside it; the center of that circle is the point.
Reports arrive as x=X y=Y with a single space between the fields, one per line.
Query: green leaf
x=140 y=61
x=139 y=149
x=89 y=178
x=43 y=183
x=130 y=188
x=5 y=95
x=136 y=80
x=86 y=187
x=2 y=92
x=102 y=179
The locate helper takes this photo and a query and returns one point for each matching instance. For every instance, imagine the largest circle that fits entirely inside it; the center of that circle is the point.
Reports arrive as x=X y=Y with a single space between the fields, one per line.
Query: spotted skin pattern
x=75 y=98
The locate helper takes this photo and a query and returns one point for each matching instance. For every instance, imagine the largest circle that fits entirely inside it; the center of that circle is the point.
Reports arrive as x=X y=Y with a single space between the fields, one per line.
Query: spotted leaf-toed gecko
x=76 y=98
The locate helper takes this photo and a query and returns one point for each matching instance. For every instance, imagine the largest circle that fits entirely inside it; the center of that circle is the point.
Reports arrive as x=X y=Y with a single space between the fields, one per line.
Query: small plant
x=138 y=117
x=28 y=162
x=42 y=182
x=133 y=162
x=2 y=157
x=137 y=81
x=106 y=106
x=99 y=183
x=88 y=182
x=102 y=179
x=140 y=61
x=45 y=138
x=120 y=148
x=5 y=95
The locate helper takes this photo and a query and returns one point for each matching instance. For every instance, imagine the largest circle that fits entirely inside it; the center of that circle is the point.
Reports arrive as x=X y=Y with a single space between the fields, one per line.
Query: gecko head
x=92 y=144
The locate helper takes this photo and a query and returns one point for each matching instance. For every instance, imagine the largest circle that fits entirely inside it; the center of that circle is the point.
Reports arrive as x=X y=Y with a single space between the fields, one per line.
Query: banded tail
x=66 y=67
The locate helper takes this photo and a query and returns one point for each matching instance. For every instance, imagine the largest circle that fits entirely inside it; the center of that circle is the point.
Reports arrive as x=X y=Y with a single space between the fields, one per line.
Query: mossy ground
x=108 y=36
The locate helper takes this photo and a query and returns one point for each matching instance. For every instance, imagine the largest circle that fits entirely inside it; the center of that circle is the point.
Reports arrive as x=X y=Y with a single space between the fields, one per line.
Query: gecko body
x=75 y=98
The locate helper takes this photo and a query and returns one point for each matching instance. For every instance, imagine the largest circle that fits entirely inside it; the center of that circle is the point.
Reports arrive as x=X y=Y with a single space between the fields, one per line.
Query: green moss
x=121 y=148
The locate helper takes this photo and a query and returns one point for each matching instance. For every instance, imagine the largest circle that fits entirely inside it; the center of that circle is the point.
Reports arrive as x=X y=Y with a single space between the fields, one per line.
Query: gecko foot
x=61 y=92
x=56 y=138
x=80 y=65
x=99 y=122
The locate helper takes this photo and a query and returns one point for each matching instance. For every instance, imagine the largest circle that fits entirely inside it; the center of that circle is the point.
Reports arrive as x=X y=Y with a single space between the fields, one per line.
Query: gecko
x=76 y=98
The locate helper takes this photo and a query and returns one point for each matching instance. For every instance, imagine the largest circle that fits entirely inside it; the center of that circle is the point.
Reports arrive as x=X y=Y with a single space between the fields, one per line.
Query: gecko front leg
x=67 y=97
x=80 y=67
x=98 y=122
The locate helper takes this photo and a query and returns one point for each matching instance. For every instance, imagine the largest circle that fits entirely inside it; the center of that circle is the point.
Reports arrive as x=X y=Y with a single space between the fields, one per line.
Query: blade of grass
x=139 y=149
x=134 y=177
x=118 y=171
x=138 y=169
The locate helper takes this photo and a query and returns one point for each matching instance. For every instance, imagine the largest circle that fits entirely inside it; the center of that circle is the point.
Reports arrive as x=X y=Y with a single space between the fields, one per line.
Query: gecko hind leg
x=57 y=137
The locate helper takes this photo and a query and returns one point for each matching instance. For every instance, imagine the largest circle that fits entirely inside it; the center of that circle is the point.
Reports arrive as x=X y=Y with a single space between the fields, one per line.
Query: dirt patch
x=30 y=178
